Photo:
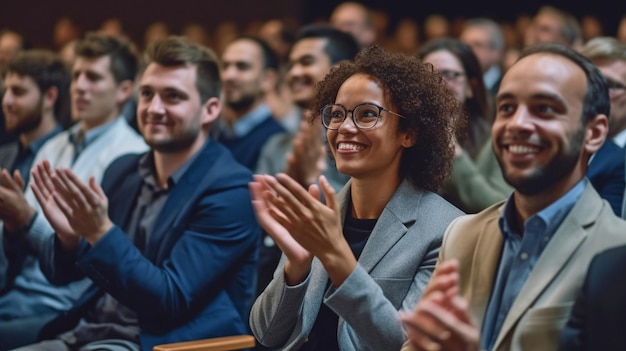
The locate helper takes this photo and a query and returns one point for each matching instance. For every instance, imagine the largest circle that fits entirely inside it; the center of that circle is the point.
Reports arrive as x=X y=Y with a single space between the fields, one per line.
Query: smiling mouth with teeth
x=522 y=149
x=351 y=147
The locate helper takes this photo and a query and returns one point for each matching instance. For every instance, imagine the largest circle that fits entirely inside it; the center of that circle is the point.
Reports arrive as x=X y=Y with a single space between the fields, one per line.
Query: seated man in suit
x=598 y=319
x=508 y=276
x=170 y=240
x=102 y=79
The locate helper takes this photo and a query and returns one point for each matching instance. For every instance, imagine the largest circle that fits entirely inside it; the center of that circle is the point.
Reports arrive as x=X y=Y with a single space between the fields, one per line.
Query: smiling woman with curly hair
x=353 y=261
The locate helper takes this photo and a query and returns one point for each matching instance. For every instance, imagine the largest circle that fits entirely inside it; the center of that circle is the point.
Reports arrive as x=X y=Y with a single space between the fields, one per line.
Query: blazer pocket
x=540 y=328
x=394 y=289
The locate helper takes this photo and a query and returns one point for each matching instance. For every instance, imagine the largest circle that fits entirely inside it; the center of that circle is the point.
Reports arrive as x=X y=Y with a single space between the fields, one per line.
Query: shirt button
x=524 y=256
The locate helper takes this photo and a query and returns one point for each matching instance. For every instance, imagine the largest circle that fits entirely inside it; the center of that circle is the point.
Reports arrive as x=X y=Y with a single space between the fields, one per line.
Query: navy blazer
x=598 y=320
x=197 y=276
x=606 y=173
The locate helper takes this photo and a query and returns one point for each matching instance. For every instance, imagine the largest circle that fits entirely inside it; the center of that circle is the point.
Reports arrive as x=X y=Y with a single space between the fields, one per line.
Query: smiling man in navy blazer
x=175 y=258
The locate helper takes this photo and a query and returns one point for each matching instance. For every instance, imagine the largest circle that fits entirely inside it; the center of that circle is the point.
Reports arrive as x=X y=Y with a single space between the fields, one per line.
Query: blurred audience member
x=354 y=18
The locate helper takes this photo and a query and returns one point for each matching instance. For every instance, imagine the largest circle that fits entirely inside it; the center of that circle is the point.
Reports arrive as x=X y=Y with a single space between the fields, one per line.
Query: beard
x=30 y=120
x=242 y=104
x=181 y=142
x=546 y=177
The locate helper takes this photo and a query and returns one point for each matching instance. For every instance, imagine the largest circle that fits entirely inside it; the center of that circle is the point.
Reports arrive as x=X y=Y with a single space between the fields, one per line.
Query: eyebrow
x=537 y=96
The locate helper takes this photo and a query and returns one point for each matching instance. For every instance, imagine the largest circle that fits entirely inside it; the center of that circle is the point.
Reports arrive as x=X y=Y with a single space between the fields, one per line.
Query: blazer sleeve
x=215 y=239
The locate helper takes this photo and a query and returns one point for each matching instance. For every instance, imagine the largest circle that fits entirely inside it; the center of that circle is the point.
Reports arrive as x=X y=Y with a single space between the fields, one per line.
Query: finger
x=39 y=183
x=298 y=192
x=84 y=194
x=17 y=177
x=416 y=334
x=42 y=176
x=63 y=206
x=329 y=193
x=61 y=188
x=97 y=189
x=286 y=197
x=39 y=196
x=314 y=190
x=277 y=207
x=8 y=182
x=458 y=331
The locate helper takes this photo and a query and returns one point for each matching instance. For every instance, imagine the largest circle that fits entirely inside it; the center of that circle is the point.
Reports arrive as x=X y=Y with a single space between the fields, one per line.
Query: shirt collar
x=550 y=217
x=148 y=174
x=35 y=145
x=77 y=137
x=247 y=122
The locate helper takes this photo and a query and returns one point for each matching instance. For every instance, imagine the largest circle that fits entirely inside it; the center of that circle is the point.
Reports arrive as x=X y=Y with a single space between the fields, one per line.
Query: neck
x=370 y=196
x=166 y=163
x=528 y=205
x=86 y=125
x=48 y=123
x=234 y=114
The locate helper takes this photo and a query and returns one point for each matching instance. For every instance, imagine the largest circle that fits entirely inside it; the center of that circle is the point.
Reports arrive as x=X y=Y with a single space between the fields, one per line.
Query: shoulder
x=216 y=165
x=469 y=226
x=613 y=257
x=120 y=168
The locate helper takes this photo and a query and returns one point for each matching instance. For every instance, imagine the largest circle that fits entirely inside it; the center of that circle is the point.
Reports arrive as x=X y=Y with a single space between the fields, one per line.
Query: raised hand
x=307 y=159
x=15 y=211
x=313 y=224
x=43 y=189
x=441 y=320
x=298 y=258
x=84 y=206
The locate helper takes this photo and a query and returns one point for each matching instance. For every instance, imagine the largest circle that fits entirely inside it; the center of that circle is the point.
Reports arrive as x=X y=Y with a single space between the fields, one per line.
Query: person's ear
x=409 y=138
x=596 y=132
x=211 y=110
x=50 y=97
x=124 y=91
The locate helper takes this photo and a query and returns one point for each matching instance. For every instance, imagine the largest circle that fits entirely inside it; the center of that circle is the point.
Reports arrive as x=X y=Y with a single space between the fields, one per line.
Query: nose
x=295 y=70
x=7 y=99
x=80 y=82
x=521 y=120
x=155 y=106
x=348 y=125
x=228 y=72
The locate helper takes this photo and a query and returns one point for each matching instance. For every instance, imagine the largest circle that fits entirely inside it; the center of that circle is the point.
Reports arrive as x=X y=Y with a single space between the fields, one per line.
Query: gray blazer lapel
x=570 y=235
x=391 y=226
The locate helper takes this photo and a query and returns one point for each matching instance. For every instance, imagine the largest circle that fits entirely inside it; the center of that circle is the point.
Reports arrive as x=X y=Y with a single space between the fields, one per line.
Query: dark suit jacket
x=598 y=320
x=606 y=174
x=196 y=278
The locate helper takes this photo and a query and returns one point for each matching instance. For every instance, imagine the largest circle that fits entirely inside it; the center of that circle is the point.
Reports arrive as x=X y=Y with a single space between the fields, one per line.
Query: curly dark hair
x=416 y=92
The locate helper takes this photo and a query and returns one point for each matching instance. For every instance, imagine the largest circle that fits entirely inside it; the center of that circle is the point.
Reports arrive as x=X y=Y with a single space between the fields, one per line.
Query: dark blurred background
x=35 y=19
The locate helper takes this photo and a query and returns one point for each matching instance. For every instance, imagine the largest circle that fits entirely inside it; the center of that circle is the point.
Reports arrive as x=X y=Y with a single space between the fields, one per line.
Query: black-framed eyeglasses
x=451 y=75
x=364 y=116
x=614 y=85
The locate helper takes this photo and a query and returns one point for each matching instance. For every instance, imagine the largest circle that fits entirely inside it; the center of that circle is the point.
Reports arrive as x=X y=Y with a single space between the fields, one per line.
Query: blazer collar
x=184 y=194
x=391 y=225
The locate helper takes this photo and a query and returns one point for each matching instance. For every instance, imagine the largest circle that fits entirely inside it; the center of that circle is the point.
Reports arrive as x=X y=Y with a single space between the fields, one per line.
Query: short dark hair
x=418 y=93
x=596 y=99
x=270 y=58
x=339 y=46
x=47 y=70
x=177 y=51
x=123 y=54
